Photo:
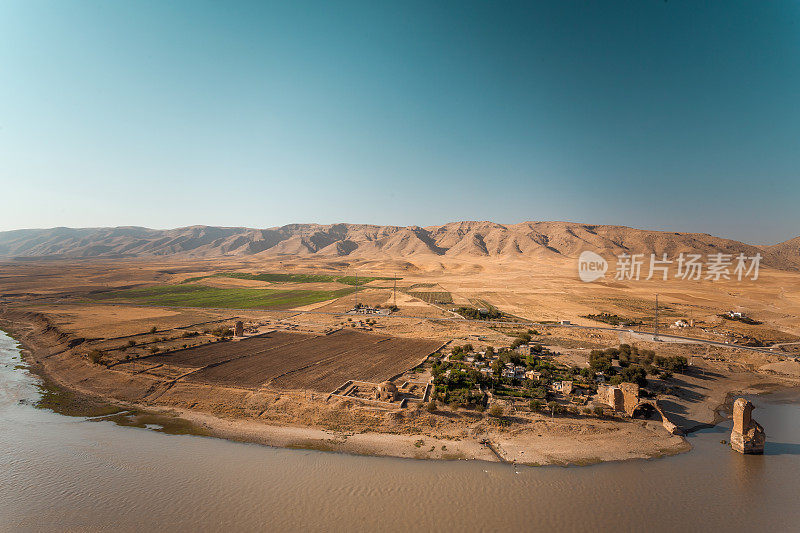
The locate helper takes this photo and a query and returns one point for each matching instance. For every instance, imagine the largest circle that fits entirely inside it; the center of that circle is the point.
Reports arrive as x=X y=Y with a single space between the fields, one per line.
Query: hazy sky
x=678 y=115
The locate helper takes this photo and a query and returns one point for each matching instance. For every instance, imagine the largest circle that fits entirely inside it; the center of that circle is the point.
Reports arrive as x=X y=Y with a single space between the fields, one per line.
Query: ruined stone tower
x=747 y=435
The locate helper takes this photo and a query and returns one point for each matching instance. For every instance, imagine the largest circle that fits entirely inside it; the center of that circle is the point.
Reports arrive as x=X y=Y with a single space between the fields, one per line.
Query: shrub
x=598 y=411
x=95 y=356
x=496 y=411
x=131 y=343
x=431 y=406
x=153 y=329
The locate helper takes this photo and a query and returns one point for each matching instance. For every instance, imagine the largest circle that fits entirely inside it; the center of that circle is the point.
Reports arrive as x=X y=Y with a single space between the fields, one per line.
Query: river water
x=72 y=473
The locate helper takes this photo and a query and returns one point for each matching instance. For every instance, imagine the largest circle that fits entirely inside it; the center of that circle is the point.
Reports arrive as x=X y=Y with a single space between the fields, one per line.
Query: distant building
x=565 y=322
x=533 y=375
x=564 y=387
x=368 y=310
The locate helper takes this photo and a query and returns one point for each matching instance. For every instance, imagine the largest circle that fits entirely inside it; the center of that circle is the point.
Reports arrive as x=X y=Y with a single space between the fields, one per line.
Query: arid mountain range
x=469 y=240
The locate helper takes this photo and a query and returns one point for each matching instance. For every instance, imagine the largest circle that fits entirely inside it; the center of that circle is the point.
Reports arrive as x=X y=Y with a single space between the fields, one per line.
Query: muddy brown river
x=62 y=472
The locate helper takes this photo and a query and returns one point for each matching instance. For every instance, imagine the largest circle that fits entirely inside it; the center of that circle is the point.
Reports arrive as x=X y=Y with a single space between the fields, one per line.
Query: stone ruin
x=622 y=398
x=747 y=435
x=386 y=391
x=238 y=329
x=615 y=399
x=630 y=396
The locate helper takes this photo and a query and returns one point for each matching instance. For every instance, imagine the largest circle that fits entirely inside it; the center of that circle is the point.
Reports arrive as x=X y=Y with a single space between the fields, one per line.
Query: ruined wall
x=747 y=436
x=630 y=395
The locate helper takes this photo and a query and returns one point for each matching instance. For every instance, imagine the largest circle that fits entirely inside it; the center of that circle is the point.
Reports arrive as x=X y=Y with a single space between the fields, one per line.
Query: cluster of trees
x=614 y=320
x=635 y=364
x=474 y=314
x=524 y=338
x=458 y=352
x=458 y=388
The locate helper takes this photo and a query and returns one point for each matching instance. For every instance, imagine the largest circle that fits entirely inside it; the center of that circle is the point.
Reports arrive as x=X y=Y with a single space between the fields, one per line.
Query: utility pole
x=655 y=325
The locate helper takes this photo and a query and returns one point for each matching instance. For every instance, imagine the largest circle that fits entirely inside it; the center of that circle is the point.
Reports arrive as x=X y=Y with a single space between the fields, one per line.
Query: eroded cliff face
x=747 y=435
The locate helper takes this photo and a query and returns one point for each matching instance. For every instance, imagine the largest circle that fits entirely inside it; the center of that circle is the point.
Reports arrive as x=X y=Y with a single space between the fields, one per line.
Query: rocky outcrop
x=747 y=435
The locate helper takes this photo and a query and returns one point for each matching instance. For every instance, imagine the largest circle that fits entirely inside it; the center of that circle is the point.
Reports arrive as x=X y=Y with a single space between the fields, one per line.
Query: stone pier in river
x=747 y=435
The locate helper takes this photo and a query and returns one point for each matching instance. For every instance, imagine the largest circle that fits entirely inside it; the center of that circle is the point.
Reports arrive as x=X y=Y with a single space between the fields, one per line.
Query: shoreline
x=616 y=444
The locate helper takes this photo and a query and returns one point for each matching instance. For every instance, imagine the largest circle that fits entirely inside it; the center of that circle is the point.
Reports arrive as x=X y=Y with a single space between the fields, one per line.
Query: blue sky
x=664 y=115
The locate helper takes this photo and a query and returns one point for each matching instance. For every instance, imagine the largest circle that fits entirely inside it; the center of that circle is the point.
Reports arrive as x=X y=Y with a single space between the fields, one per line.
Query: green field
x=203 y=296
x=290 y=278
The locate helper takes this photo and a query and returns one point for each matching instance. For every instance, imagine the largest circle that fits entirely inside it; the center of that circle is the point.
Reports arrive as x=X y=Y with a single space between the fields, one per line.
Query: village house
x=533 y=375
x=564 y=387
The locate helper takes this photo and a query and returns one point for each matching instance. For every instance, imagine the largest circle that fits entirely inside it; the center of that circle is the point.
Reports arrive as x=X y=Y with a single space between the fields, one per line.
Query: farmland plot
x=288 y=360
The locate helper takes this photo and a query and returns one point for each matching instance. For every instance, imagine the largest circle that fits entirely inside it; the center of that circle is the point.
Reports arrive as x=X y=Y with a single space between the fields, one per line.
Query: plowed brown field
x=288 y=360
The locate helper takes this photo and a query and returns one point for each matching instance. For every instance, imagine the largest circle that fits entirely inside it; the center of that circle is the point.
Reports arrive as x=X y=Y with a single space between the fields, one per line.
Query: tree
x=553 y=406
x=536 y=405
x=634 y=374
x=599 y=361
x=95 y=356
x=497 y=368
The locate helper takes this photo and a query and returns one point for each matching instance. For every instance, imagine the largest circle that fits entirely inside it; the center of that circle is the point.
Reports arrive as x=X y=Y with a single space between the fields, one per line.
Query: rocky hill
x=473 y=240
